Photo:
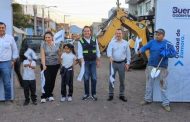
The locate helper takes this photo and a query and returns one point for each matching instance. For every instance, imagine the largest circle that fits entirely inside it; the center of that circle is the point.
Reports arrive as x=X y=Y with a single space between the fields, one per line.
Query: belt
x=63 y=69
x=119 y=62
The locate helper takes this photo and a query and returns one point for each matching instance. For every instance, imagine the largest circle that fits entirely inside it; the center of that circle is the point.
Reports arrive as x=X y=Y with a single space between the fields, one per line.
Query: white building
x=38 y=10
x=96 y=27
x=141 y=7
x=111 y=11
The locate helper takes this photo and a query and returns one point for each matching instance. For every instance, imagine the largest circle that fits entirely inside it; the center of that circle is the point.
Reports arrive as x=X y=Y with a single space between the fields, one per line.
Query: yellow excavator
x=137 y=26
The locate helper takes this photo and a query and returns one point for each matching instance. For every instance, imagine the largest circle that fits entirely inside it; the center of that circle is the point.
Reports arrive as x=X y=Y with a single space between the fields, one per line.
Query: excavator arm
x=108 y=31
x=119 y=19
x=108 y=34
x=138 y=28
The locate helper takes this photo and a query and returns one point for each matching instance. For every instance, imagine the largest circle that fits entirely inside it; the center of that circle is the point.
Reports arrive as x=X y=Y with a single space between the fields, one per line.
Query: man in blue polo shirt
x=156 y=46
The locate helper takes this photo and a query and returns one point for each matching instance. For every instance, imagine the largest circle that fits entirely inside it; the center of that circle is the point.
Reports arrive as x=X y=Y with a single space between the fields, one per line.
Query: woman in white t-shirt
x=68 y=61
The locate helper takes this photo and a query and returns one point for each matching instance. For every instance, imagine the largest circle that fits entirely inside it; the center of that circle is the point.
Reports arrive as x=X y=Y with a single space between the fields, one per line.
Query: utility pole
x=49 y=14
x=26 y=5
x=65 y=23
x=35 y=21
x=43 y=22
x=65 y=18
x=48 y=18
x=118 y=4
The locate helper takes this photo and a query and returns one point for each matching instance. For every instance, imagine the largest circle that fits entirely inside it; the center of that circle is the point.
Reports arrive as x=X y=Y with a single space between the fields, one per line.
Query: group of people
x=88 y=53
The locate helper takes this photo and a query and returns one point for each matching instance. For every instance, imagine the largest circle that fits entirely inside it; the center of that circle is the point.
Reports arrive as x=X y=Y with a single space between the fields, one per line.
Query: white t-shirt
x=28 y=73
x=68 y=59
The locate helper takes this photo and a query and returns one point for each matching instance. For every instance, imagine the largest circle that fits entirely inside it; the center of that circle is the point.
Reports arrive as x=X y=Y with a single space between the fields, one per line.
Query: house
x=141 y=7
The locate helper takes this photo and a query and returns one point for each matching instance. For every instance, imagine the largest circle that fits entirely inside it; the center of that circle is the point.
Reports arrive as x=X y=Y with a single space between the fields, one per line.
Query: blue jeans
x=90 y=72
x=5 y=75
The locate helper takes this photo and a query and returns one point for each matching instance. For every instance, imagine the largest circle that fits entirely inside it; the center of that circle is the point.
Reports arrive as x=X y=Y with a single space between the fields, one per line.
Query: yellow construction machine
x=136 y=25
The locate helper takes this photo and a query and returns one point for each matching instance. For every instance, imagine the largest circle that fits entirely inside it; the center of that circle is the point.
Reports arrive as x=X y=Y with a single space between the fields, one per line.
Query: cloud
x=79 y=10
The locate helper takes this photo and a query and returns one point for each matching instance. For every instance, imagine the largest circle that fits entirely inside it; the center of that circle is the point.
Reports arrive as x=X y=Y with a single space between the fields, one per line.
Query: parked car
x=66 y=41
x=34 y=42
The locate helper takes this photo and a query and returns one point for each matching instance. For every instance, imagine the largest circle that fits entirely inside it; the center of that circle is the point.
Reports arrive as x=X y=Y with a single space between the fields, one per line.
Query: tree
x=19 y=19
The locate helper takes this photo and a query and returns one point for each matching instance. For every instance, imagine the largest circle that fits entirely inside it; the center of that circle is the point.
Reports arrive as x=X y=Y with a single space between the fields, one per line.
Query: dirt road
x=94 y=111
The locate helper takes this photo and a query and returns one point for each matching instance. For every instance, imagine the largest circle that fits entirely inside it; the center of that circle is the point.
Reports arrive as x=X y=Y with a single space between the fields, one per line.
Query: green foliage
x=19 y=19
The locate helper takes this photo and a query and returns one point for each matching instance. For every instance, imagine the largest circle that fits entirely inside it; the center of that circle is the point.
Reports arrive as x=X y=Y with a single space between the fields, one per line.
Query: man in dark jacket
x=89 y=54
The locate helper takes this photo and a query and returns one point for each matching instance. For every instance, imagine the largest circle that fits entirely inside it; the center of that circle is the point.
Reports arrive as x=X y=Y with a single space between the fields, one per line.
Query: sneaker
x=94 y=98
x=69 y=99
x=145 y=103
x=51 y=99
x=43 y=100
x=63 y=99
x=167 y=108
x=26 y=103
x=85 y=97
x=34 y=102
x=110 y=98
x=122 y=98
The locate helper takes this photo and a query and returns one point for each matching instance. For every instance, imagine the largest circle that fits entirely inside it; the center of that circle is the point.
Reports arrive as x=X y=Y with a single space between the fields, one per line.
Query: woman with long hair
x=50 y=63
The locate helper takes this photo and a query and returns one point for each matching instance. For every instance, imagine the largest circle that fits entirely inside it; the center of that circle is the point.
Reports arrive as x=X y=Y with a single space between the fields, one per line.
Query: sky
x=79 y=12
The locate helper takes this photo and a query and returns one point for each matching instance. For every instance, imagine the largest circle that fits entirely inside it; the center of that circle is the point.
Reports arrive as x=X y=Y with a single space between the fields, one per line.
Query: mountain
x=75 y=29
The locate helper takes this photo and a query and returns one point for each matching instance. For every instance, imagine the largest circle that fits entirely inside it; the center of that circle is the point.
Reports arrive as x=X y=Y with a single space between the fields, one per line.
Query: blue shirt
x=155 y=47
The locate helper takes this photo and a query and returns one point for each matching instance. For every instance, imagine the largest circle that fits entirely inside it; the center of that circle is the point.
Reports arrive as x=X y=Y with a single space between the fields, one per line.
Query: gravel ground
x=94 y=111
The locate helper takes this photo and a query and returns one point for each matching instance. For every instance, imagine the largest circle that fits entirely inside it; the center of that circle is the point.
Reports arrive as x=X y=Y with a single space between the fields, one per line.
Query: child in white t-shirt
x=29 y=79
x=68 y=60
